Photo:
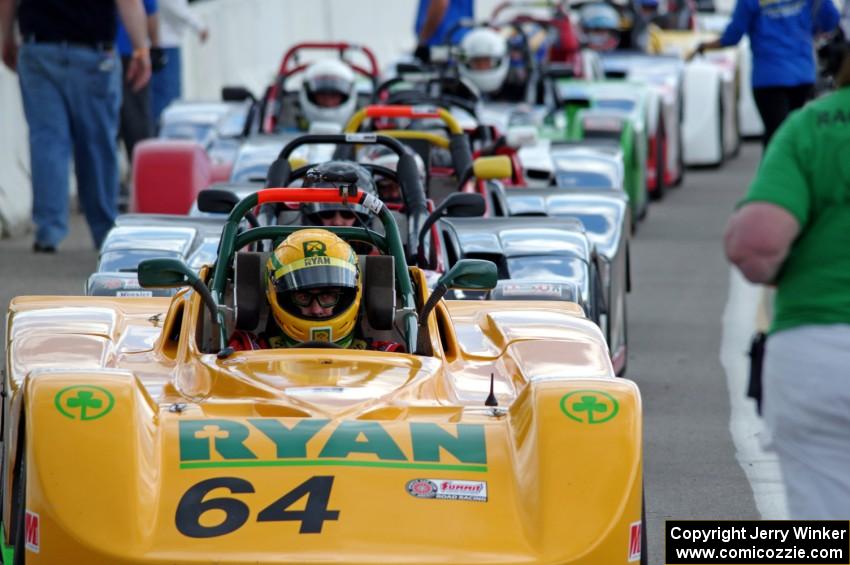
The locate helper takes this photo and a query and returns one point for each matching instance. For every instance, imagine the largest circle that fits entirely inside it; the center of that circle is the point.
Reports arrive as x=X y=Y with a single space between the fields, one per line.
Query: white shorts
x=807 y=410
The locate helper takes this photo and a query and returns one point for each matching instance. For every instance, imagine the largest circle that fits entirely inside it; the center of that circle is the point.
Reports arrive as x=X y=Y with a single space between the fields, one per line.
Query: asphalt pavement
x=680 y=288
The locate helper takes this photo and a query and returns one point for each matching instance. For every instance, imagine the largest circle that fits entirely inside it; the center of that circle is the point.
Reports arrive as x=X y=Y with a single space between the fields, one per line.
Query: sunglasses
x=325 y=298
x=329 y=214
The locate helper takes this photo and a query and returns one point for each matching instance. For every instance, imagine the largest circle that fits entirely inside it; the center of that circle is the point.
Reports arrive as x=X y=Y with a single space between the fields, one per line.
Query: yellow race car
x=134 y=435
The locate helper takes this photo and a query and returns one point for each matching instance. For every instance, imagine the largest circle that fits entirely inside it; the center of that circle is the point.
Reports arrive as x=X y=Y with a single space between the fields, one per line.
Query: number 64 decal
x=192 y=506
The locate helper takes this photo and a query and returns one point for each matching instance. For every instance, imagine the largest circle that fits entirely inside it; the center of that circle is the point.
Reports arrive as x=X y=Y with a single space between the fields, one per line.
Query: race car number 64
x=194 y=504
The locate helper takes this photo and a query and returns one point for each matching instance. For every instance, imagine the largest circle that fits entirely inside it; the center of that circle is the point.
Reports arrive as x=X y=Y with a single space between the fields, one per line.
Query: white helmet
x=328 y=92
x=484 y=58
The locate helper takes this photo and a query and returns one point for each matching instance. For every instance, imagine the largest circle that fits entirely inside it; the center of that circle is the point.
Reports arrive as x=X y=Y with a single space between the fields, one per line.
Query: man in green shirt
x=792 y=230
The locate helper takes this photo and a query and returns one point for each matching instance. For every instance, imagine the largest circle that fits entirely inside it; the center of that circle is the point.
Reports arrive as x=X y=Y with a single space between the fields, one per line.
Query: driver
x=389 y=189
x=485 y=60
x=313 y=288
x=327 y=175
x=601 y=26
x=328 y=93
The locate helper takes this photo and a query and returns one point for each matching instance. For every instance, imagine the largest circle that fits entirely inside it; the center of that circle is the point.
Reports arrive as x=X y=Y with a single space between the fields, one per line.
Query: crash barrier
x=247 y=40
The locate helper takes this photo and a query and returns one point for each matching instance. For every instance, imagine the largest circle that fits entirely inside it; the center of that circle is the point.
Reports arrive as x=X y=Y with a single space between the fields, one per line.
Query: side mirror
x=171 y=273
x=470 y=274
x=467 y=274
x=166 y=273
x=521 y=136
x=218 y=201
x=457 y=205
x=236 y=94
x=463 y=205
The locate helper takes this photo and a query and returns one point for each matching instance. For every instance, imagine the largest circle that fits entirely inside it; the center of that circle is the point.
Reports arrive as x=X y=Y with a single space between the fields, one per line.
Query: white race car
x=710 y=128
x=748 y=116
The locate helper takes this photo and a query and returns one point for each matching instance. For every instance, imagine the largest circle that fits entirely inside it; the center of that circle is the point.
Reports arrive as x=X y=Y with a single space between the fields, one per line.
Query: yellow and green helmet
x=311 y=260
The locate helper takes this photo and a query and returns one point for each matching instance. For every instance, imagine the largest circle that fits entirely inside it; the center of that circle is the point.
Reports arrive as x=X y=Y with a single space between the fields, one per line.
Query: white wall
x=247 y=40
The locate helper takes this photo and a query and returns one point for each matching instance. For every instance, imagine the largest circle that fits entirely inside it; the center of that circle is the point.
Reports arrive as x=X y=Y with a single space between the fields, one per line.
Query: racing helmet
x=601 y=25
x=331 y=174
x=484 y=58
x=328 y=92
x=304 y=265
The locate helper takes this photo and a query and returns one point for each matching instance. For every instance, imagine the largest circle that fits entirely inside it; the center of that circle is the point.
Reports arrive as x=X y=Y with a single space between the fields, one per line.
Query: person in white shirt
x=174 y=18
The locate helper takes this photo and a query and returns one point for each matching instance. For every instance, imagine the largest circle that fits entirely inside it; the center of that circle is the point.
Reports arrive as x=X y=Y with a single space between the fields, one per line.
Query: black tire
x=19 y=501
x=681 y=160
x=625 y=366
x=644 y=554
x=660 y=165
x=721 y=131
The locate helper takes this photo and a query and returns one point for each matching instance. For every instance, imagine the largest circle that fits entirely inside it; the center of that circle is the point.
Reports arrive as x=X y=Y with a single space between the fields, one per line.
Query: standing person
x=781 y=39
x=71 y=89
x=166 y=85
x=435 y=19
x=791 y=231
x=136 y=121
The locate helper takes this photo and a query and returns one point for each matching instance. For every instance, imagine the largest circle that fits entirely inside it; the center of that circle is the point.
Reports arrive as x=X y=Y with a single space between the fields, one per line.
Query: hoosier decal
x=265 y=442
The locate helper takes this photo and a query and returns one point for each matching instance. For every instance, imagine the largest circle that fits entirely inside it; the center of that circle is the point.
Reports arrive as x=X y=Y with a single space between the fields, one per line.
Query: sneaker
x=41 y=248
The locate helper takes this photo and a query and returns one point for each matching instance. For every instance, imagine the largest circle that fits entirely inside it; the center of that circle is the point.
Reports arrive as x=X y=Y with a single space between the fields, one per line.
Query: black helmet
x=333 y=174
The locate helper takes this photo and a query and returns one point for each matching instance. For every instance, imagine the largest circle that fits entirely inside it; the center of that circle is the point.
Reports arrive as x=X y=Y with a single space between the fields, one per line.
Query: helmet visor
x=480 y=63
x=323 y=90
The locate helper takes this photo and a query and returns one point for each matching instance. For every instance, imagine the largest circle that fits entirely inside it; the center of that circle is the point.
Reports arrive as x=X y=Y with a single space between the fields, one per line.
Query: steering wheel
x=317 y=345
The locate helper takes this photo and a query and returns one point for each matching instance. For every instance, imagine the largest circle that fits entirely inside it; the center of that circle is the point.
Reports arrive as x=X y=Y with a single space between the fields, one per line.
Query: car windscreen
x=622 y=104
x=127 y=260
x=186 y=130
x=593 y=223
x=584 y=179
x=552 y=268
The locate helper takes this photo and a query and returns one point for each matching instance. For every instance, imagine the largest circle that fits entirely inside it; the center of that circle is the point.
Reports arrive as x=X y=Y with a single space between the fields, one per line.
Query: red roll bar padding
x=340 y=46
x=393 y=111
x=306 y=195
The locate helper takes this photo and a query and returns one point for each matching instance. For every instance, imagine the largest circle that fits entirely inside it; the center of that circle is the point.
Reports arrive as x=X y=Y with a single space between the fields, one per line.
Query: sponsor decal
x=32 y=531
x=423 y=110
x=361 y=137
x=84 y=402
x=317 y=261
x=533 y=289
x=134 y=293
x=293 y=442
x=314 y=248
x=373 y=203
x=111 y=284
x=589 y=406
x=448 y=489
x=321 y=334
x=634 y=541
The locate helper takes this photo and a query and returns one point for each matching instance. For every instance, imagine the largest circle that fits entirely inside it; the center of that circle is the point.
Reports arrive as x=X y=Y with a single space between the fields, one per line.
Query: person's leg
x=136 y=121
x=799 y=95
x=95 y=92
x=41 y=72
x=773 y=106
x=807 y=410
x=165 y=84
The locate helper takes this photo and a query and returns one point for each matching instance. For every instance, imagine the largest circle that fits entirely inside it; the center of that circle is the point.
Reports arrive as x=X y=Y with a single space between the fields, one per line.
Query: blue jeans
x=165 y=83
x=71 y=97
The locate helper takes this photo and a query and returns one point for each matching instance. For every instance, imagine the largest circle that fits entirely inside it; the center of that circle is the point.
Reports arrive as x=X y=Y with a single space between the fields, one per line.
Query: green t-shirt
x=806 y=170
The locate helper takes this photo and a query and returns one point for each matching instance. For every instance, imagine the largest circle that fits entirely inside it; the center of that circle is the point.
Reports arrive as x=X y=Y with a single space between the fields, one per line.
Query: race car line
x=748 y=430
